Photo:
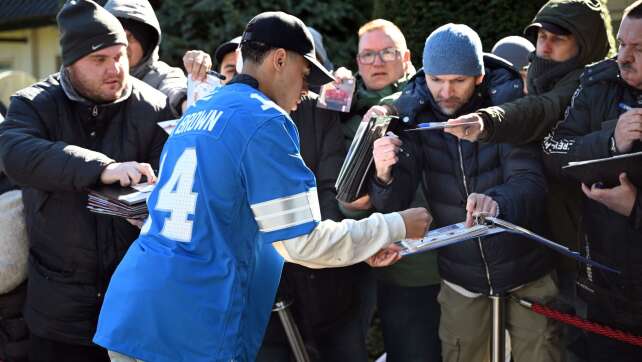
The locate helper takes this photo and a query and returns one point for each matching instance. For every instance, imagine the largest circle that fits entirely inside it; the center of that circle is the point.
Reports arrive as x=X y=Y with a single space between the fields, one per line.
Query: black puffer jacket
x=451 y=170
x=609 y=237
x=55 y=144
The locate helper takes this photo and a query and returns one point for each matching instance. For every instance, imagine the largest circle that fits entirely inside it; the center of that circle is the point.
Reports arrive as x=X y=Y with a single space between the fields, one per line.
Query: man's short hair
x=634 y=10
x=389 y=28
x=254 y=51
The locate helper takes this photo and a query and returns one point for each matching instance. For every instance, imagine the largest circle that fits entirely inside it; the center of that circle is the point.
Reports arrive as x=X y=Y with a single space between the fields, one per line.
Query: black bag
x=14 y=335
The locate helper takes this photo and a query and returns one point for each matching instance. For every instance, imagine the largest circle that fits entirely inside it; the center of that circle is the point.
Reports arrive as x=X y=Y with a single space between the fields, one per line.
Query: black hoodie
x=169 y=80
x=530 y=118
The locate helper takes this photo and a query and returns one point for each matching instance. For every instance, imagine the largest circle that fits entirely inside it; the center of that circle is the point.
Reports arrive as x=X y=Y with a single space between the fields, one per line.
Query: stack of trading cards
x=357 y=167
x=114 y=200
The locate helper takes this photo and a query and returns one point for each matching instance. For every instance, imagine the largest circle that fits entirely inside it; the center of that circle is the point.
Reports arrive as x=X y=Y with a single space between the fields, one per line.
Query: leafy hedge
x=492 y=19
x=204 y=24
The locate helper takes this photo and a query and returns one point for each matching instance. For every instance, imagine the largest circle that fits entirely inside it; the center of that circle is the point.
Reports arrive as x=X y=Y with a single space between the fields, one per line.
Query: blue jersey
x=200 y=281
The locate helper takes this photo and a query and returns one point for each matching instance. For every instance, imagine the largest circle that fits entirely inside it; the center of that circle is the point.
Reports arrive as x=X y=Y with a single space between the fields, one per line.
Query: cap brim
x=223 y=50
x=553 y=28
x=319 y=75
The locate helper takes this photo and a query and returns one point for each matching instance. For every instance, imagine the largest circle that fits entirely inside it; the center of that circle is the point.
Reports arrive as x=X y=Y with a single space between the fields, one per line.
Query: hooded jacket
x=450 y=170
x=171 y=81
x=530 y=118
x=55 y=144
x=608 y=237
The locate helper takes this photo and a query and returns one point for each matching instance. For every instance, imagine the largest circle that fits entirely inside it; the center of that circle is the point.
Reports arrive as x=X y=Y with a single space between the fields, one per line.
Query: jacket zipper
x=94 y=111
x=479 y=242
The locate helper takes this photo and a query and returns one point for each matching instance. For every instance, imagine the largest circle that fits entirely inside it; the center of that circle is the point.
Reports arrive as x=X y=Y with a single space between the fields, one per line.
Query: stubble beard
x=85 y=87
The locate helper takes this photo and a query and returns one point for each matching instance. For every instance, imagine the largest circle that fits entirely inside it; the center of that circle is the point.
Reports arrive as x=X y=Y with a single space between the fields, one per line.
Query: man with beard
x=461 y=179
x=88 y=125
x=605 y=120
x=568 y=35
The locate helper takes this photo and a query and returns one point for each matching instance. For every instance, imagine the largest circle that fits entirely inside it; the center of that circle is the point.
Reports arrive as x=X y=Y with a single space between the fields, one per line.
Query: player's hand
x=468 y=132
x=197 y=63
x=127 y=173
x=385 y=152
x=620 y=199
x=417 y=222
x=480 y=204
x=628 y=130
x=361 y=204
x=385 y=257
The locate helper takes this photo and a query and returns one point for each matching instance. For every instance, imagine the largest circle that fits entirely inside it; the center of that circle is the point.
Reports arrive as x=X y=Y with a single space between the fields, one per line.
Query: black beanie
x=86 y=27
x=146 y=35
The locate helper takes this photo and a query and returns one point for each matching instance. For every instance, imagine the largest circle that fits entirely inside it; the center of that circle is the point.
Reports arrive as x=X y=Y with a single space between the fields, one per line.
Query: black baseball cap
x=225 y=48
x=280 y=30
x=553 y=28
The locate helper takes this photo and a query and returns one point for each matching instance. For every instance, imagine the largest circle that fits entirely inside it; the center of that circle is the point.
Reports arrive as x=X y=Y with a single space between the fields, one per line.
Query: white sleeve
x=336 y=244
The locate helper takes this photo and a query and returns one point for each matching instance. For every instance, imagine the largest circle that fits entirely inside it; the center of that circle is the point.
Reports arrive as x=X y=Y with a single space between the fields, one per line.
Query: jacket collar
x=245 y=79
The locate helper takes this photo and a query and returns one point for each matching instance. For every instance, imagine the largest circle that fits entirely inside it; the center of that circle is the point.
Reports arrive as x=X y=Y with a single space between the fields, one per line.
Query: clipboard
x=607 y=170
x=487 y=226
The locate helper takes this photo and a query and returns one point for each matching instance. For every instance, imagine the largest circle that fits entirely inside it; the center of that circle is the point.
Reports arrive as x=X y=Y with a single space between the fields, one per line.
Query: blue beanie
x=453 y=49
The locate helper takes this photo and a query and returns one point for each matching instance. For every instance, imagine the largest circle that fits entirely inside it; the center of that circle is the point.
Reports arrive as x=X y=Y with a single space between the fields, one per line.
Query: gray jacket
x=169 y=80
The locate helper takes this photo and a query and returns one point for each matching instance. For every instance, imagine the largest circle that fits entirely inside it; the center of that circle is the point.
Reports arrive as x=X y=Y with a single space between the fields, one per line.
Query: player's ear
x=279 y=58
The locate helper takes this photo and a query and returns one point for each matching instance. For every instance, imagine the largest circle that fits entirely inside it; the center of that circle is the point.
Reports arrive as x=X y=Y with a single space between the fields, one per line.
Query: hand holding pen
x=468 y=127
x=628 y=129
x=386 y=154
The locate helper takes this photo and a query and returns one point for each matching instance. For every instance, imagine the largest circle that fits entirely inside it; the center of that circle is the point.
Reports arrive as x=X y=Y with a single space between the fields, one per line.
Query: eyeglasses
x=370 y=56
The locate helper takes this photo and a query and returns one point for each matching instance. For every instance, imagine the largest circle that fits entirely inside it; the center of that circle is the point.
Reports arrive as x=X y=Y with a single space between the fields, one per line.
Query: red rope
x=587 y=325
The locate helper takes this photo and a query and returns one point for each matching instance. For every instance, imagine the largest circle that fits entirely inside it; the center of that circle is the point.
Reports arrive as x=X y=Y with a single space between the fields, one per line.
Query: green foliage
x=492 y=19
x=204 y=24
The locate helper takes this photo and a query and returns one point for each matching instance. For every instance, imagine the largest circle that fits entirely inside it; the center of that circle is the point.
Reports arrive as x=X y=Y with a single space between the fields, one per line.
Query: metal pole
x=281 y=307
x=498 y=337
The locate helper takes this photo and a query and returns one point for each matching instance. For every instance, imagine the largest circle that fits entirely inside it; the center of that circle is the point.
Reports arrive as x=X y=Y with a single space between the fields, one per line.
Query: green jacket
x=530 y=118
x=362 y=100
x=411 y=271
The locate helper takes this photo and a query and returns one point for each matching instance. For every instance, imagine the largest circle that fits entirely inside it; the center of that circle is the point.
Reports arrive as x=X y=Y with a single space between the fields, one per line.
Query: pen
x=216 y=74
x=427 y=126
x=625 y=107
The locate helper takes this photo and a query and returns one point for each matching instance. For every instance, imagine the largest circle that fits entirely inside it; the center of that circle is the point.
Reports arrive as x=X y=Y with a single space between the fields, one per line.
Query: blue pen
x=625 y=107
x=432 y=125
x=428 y=126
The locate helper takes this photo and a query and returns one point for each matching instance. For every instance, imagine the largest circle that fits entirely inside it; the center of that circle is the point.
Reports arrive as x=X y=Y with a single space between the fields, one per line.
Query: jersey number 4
x=177 y=198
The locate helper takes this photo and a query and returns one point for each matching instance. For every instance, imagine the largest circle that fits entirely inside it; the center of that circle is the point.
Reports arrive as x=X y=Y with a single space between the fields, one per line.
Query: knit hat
x=453 y=49
x=85 y=27
x=515 y=49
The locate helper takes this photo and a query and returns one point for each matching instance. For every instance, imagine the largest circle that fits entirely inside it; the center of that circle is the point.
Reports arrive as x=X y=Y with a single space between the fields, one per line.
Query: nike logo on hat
x=94 y=47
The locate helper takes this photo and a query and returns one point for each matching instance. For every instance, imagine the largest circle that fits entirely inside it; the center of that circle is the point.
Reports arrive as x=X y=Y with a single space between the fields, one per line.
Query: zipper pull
x=94 y=111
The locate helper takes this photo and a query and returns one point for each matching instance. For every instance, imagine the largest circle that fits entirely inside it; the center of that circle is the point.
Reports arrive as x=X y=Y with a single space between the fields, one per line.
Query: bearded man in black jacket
x=88 y=125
